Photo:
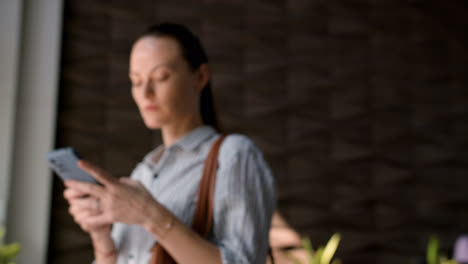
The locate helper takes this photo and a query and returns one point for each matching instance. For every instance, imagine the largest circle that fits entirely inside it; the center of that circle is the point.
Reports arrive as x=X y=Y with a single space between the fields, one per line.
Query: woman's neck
x=172 y=132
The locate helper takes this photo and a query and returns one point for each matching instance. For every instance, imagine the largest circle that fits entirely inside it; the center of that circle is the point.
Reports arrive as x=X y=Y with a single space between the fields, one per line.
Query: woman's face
x=164 y=87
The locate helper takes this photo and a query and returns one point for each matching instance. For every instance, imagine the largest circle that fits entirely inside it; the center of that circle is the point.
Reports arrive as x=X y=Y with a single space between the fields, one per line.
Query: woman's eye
x=162 y=77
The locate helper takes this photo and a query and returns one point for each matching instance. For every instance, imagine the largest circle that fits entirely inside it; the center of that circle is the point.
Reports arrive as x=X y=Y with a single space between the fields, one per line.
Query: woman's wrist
x=159 y=222
x=102 y=243
x=105 y=254
x=100 y=234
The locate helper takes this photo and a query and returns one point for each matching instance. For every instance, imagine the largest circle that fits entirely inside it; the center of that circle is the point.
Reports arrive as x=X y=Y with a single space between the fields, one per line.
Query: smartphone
x=64 y=162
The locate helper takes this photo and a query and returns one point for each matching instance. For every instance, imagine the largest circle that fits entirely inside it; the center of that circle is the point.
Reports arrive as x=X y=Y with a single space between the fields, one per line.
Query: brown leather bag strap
x=203 y=217
x=160 y=256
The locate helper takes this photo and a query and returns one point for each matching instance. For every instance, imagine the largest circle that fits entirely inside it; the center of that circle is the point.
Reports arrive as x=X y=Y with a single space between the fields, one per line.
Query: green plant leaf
x=445 y=260
x=449 y=261
x=307 y=245
x=336 y=261
x=432 y=255
x=293 y=258
x=318 y=256
x=330 y=248
x=9 y=252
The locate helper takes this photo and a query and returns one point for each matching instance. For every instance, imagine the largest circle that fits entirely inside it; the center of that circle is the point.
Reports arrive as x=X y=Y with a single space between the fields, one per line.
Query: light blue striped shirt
x=244 y=198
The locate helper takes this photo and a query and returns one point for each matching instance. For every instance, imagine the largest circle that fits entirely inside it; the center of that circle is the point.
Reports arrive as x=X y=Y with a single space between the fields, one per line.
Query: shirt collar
x=149 y=159
x=189 y=142
x=194 y=138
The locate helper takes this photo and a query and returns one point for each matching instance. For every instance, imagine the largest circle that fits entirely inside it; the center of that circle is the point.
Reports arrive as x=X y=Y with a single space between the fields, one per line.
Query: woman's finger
x=85 y=188
x=82 y=217
x=130 y=182
x=86 y=203
x=98 y=220
x=72 y=194
x=80 y=212
x=99 y=174
x=125 y=180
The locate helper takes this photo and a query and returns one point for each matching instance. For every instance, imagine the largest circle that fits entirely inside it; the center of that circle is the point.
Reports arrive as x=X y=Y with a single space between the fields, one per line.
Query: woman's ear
x=203 y=76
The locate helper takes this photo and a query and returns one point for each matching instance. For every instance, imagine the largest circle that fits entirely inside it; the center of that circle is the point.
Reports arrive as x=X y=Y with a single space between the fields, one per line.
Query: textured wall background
x=359 y=106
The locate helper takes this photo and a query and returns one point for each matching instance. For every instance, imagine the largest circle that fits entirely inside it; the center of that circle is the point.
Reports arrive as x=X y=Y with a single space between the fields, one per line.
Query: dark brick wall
x=360 y=107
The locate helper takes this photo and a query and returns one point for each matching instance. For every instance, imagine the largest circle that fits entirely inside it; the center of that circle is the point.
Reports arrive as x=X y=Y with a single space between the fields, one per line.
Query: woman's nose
x=148 y=88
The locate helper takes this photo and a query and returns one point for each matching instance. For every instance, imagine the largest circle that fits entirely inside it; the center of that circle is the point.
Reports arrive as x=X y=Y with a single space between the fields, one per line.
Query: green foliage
x=433 y=254
x=323 y=255
x=8 y=252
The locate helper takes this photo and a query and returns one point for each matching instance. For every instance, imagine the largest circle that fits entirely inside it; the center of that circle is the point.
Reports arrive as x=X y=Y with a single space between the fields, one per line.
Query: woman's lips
x=151 y=108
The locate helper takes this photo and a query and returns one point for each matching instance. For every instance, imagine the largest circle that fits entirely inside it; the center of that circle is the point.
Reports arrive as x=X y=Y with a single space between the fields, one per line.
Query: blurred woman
x=170 y=80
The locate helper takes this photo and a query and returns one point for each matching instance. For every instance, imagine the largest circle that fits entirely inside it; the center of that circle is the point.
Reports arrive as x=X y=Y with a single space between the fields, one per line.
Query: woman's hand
x=117 y=200
x=82 y=207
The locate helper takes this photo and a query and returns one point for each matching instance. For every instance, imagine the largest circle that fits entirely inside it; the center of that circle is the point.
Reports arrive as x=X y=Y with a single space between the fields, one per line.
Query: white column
x=10 y=30
x=34 y=129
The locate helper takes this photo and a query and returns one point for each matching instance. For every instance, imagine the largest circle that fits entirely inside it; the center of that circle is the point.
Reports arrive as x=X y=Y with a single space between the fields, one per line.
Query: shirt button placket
x=131 y=259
